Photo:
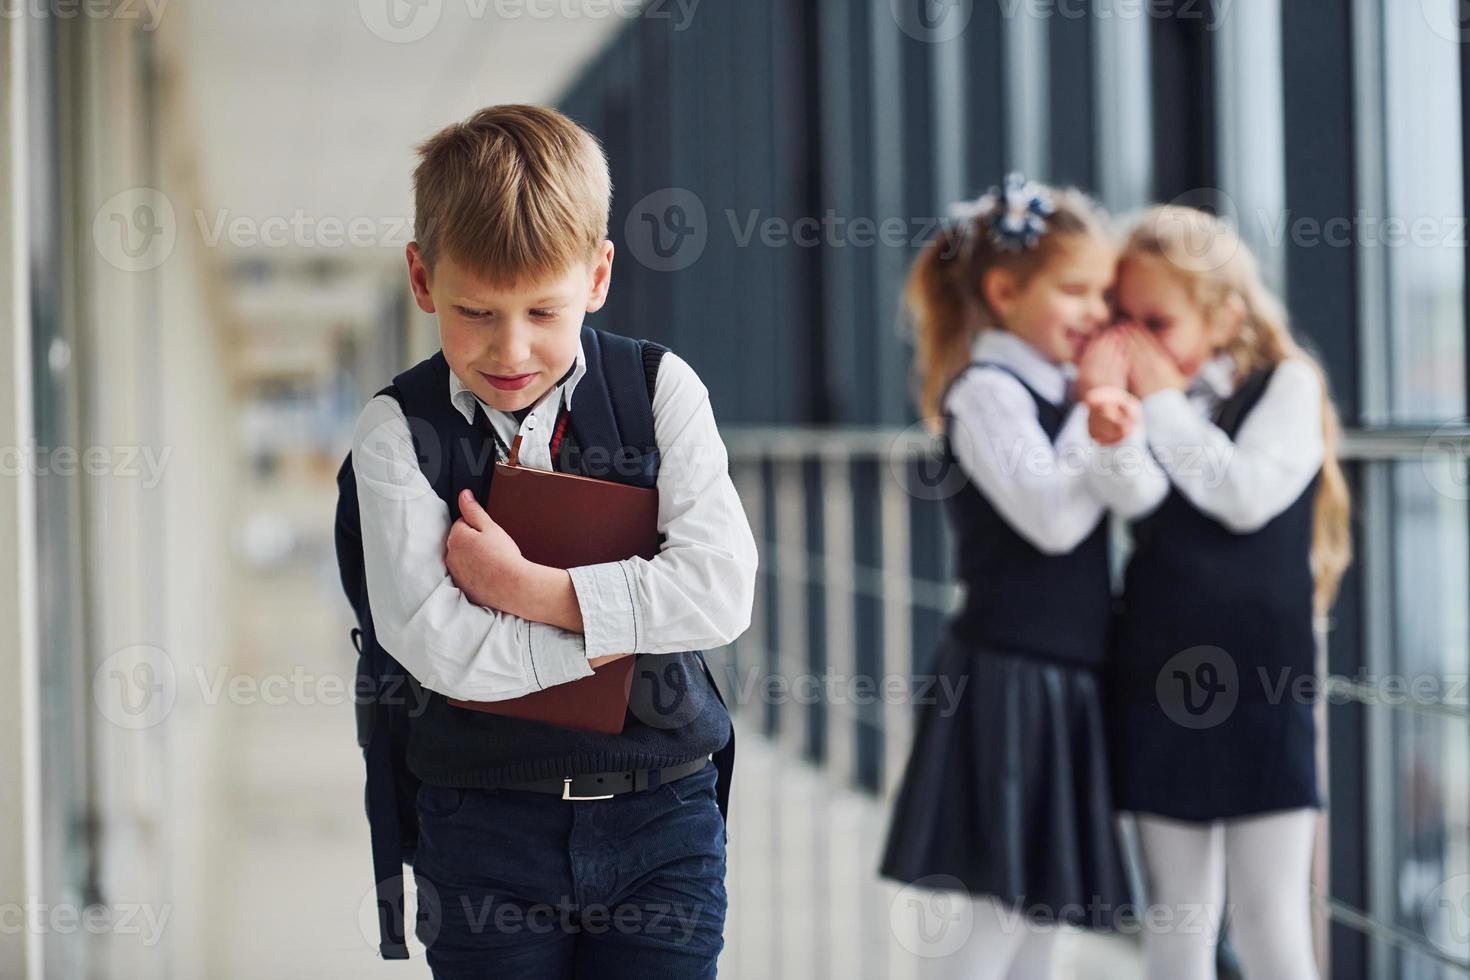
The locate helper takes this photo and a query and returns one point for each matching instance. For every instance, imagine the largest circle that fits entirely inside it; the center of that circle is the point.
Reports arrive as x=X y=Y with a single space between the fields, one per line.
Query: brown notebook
x=565 y=520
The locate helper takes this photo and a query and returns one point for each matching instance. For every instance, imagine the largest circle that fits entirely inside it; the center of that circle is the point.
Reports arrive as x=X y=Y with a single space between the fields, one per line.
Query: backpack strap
x=611 y=408
x=375 y=734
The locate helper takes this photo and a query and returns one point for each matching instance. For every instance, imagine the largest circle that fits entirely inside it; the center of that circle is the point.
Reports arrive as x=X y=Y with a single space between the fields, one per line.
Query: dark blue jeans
x=518 y=884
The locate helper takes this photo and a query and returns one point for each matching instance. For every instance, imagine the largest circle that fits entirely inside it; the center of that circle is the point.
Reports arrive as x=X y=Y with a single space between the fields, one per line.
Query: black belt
x=605 y=785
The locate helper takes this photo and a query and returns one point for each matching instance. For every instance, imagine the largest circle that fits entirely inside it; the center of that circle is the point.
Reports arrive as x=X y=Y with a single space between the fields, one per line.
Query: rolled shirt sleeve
x=446 y=641
x=698 y=591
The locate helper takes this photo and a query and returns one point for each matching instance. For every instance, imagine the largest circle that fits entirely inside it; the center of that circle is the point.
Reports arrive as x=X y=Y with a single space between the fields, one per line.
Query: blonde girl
x=1247 y=538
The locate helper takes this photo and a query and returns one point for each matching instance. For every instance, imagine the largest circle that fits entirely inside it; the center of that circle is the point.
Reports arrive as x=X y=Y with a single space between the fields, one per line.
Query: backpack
x=386 y=696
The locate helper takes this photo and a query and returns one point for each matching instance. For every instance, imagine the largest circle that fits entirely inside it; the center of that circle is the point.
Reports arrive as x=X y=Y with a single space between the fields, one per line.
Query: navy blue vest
x=1017 y=598
x=675 y=714
x=1191 y=582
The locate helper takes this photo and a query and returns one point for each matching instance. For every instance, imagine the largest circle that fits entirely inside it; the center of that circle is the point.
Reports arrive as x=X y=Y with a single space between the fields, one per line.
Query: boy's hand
x=482 y=559
x=1103 y=364
x=599 y=661
x=1111 y=414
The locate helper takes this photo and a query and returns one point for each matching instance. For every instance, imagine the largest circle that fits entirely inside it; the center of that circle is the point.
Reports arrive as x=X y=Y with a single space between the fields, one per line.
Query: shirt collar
x=464 y=399
x=1216 y=377
x=1049 y=380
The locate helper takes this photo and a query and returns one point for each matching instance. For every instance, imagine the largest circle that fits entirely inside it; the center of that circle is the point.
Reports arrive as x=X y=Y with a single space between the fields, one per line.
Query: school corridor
x=204 y=208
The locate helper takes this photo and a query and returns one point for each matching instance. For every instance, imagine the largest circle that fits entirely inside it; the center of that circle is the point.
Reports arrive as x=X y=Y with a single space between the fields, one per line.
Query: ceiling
x=307 y=111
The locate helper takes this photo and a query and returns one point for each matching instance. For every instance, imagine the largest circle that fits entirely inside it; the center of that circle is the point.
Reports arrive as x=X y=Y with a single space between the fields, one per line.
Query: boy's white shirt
x=1243 y=483
x=1052 y=493
x=695 y=594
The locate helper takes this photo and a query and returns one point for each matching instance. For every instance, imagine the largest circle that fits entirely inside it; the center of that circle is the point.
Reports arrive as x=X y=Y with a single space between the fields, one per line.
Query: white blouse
x=1053 y=493
x=695 y=594
x=1245 y=483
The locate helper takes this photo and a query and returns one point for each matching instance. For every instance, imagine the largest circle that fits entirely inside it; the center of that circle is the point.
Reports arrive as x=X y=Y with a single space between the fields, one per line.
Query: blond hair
x=1212 y=263
x=514 y=193
x=943 y=297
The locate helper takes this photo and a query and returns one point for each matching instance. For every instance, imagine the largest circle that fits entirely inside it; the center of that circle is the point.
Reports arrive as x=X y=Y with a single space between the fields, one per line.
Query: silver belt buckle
x=566 y=792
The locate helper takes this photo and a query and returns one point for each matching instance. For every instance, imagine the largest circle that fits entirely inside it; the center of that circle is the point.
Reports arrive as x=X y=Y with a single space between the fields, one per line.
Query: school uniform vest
x=674 y=715
x=1193 y=583
x=1017 y=598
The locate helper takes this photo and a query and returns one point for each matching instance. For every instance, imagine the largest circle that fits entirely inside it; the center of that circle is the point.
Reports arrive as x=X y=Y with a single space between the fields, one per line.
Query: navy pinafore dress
x=1214 y=678
x=1006 y=792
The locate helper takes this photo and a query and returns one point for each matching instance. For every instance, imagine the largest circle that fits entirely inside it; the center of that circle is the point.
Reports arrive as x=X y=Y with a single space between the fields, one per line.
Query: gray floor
x=291 y=858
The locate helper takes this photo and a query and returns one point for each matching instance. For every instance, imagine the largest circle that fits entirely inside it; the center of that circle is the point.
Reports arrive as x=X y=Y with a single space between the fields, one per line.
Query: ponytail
x=944 y=317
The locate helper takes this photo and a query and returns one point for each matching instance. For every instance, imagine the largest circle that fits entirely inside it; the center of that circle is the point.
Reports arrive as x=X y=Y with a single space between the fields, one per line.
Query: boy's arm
x=450 y=644
x=697 y=592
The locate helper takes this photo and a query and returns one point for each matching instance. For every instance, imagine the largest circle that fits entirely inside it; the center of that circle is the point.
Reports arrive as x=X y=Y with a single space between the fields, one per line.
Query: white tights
x=1003 y=945
x=1265 y=864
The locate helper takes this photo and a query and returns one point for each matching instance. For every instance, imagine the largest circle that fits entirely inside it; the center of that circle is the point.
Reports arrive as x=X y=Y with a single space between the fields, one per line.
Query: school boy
x=547 y=851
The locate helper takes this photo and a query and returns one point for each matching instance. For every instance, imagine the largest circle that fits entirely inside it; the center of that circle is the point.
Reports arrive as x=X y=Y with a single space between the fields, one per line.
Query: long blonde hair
x=943 y=298
x=1213 y=263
